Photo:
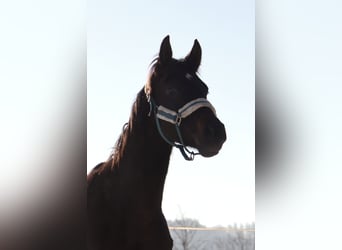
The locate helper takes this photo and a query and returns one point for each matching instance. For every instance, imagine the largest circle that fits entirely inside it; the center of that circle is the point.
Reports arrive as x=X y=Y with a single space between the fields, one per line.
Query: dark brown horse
x=125 y=192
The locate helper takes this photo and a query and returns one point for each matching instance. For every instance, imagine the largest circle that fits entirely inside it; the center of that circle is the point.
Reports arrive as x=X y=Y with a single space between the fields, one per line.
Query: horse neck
x=145 y=147
x=145 y=156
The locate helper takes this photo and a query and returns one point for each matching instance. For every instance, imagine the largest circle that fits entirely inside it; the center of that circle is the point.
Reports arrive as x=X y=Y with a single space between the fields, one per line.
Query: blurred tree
x=185 y=239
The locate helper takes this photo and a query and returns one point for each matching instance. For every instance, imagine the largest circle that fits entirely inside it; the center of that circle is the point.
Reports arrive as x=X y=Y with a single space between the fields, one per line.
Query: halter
x=176 y=117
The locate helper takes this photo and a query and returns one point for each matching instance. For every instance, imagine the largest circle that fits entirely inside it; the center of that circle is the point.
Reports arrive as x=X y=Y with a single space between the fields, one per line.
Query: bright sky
x=123 y=38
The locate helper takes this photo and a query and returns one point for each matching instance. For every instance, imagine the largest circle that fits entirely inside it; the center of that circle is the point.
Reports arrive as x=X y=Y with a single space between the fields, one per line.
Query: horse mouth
x=210 y=151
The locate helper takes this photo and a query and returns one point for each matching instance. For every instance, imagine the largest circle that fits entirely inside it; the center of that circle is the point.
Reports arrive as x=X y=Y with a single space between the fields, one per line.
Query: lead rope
x=182 y=148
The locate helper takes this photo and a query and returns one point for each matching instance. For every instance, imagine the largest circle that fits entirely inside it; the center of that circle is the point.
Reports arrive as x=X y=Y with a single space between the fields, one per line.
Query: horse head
x=178 y=100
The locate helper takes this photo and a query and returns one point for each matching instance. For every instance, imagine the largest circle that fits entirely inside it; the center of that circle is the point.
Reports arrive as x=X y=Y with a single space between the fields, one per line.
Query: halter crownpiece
x=171 y=116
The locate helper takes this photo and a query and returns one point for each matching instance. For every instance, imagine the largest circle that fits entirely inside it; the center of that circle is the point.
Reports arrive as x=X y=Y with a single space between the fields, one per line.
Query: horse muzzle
x=211 y=139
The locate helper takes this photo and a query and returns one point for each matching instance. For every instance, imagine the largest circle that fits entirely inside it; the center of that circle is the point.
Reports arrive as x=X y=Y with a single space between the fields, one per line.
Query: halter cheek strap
x=168 y=115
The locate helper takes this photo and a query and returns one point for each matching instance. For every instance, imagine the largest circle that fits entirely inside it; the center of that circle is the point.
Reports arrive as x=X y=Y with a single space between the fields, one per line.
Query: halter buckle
x=178 y=119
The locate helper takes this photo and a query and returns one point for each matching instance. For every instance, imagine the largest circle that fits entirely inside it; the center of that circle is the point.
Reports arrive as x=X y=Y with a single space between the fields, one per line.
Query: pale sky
x=122 y=41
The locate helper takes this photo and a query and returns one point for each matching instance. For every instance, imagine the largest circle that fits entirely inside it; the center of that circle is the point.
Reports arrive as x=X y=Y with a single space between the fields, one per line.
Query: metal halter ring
x=178 y=120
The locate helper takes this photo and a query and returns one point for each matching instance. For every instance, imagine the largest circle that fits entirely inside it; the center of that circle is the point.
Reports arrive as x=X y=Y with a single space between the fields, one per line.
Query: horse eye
x=171 y=91
x=189 y=76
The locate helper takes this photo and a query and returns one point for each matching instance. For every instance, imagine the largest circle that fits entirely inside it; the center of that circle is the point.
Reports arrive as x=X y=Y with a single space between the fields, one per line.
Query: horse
x=125 y=192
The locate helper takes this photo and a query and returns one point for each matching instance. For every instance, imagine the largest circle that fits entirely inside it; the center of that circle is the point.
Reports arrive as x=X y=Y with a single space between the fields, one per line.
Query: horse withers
x=124 y=193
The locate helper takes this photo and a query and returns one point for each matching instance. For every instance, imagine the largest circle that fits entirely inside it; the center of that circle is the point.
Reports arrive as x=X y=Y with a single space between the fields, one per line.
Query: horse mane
x=139 y=110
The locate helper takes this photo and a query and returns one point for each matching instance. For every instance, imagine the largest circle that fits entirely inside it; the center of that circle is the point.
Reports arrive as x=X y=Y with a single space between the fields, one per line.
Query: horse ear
x=193 y=59
x=165 y=53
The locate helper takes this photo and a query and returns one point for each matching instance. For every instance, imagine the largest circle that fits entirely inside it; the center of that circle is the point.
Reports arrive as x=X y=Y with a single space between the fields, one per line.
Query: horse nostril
x=210 y=130
x=216 y=130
